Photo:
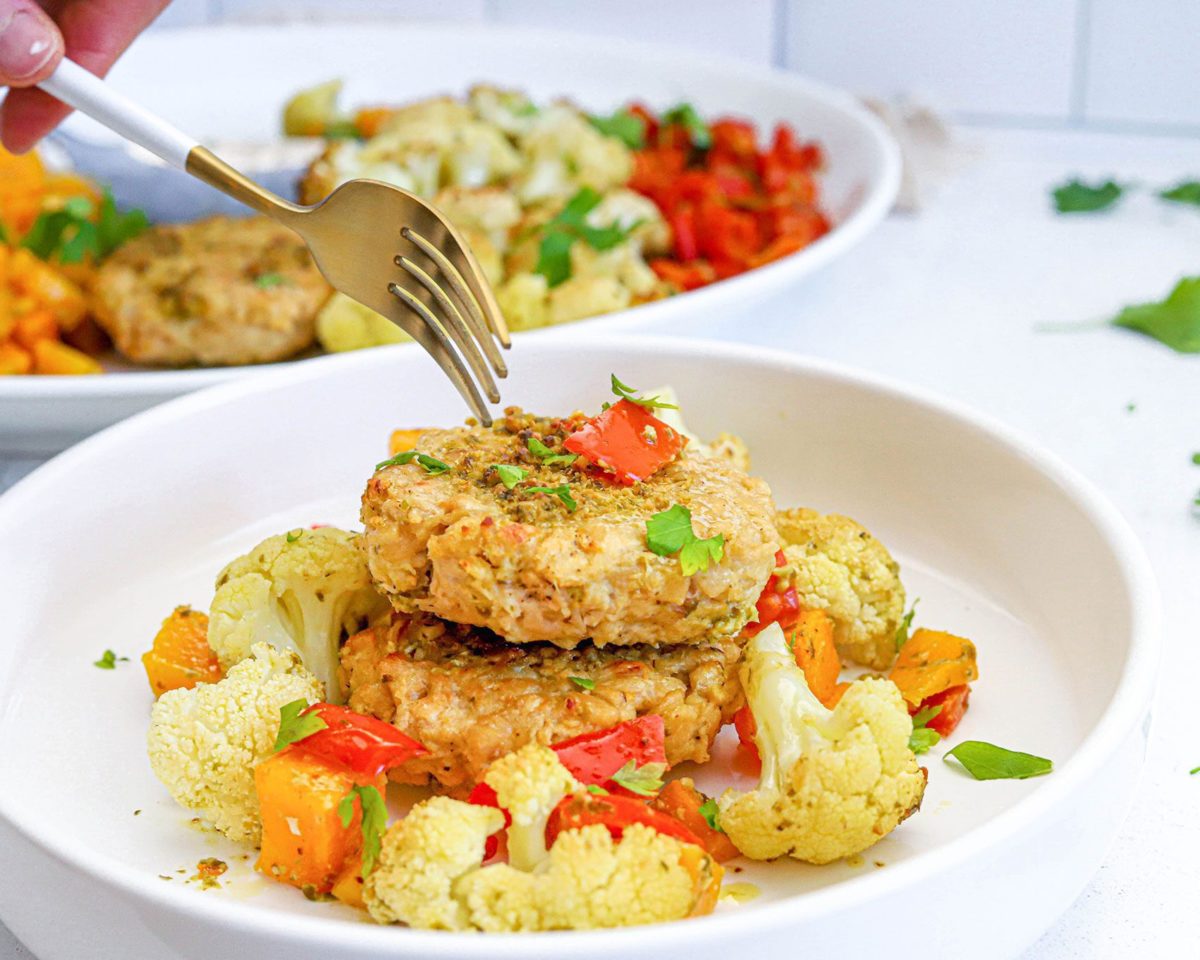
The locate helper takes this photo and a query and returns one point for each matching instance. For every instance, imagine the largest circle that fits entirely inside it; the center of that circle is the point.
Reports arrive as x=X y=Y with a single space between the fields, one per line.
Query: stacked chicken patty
x=527 y=605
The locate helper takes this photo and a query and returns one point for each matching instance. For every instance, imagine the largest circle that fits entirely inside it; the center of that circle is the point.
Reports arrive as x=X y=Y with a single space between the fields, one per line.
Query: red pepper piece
x=626 y=440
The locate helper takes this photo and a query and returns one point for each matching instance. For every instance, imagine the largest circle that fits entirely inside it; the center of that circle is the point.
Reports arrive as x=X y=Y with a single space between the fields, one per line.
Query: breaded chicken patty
x=461 y=545
x=469 y=698
x=215 y=292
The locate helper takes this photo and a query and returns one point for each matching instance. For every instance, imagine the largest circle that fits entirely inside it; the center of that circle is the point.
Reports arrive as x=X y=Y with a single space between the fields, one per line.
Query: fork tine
x=465 y=291
x=425 y=329
x=456 y=327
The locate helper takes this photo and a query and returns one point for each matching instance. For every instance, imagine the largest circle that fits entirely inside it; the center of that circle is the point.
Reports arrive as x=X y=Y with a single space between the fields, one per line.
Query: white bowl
x=1001 y=542
x=260 y=67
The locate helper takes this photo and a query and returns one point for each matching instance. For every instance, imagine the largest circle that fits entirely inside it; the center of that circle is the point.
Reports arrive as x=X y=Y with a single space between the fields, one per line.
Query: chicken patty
x=461 y=545
x=217 y=292
x=470 y=698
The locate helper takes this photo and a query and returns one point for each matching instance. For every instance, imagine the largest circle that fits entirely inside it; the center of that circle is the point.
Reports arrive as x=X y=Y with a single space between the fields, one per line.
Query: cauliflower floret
x=414 y=166
x=510 y=110
x=523 y=300
x=632 y=211
x=622 y=262
x=421 y=860
x=205 y=742
x=304 y=591
x=429 y=876
x=529 y=784
x=345 y=324
x=840 y=568
x=833 y=782
x=581 y=297
x=564 y=152
x=489 y=211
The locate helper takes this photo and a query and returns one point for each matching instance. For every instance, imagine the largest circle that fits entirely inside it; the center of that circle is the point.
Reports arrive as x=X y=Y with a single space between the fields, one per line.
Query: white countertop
x=950 y=299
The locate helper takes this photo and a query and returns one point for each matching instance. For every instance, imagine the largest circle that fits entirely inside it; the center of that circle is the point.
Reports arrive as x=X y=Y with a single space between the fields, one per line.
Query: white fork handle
x=88 y=94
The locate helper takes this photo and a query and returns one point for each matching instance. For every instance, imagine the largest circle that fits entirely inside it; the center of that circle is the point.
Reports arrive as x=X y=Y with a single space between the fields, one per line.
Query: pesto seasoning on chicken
x=543 y=567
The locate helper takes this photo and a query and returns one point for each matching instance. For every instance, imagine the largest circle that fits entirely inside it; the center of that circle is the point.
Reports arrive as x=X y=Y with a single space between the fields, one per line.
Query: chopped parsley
x=546 y=455
x=712 y=814
x=599 y=791
x=562 y=491
x=1186 y=192
x=1174 y=321
x=1075 y=196
x=923 y=737
x=686 y=116
x=109 y=660
x=266 y=281
x=295 y=724
x=906 y=625
x=626 y=392
x=432 y=465
x=1196 y=459
x=670 y=532
x=510 y=475
x=374 y=821
x=986 y=761
x=583 y=683
x=625 y=125
x=294 y=535
x=80 y=228
x=645 y=780
x=560 y=233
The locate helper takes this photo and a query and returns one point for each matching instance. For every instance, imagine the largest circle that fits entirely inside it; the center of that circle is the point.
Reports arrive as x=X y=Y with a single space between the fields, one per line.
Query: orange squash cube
x=932 y=661
x=181 y=656
x=403 y=440
x=348 y=887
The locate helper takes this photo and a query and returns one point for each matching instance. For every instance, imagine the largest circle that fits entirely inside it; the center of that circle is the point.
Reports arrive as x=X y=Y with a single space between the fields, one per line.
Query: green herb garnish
x=374 y=821
x=626 y=126
x=645 y=780
x=1075 y=196
x=626 y=392
x=686 y=116
x=670 y=532
x=596 y=789
x=1174 y=321
x=922 y=736
x=295 y=724
x=560 y=234
x=294 y=535
x=583 y=683
x=109 y=660
x=562 y=491
x=1186 y=192
x=906 y=625
x=986 y=761
x=712 y=814
x=432 y=465
x=266 y=281
x=81 y=228
x=510 y=475
x=1196 y=459
x=546 y=454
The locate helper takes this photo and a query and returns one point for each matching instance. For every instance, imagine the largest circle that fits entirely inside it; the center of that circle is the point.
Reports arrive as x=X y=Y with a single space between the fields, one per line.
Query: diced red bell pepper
x=626 y=441
x=683 y=229
x=774 y=605
x=361 y=744
x=593 y=758
x=616 y=813
x=736 y=137
x=686 y=276
x=953 y=701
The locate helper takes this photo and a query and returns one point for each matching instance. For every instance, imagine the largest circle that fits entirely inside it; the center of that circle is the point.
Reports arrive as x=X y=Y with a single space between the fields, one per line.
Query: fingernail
x=26 y=43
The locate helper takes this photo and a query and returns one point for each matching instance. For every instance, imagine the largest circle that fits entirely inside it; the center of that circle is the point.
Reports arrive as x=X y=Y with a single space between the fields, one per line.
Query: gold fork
x=433 y=289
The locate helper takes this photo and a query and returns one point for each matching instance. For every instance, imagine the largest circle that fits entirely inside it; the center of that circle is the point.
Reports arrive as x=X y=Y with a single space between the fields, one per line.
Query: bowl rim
x=879 y=197
x=1123 y=713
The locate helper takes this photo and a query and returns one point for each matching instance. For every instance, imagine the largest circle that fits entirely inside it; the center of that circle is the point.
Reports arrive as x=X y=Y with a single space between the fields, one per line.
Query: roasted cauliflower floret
x=638 y=214
x=204 y=743
x=429 y=875
x=833 y=782
x=564 y=152
x=345 y=324
x=840 y=568
x=529 y=784
x=489 y=211
x=304 y=591
x=510 y=110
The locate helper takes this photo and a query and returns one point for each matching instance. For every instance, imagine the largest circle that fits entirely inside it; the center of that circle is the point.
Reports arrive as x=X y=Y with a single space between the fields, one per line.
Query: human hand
x=35 y=36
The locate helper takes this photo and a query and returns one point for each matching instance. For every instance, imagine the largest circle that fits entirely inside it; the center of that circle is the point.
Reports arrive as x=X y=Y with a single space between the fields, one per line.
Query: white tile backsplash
x=1065 y=62
x=1143 y=62
x=1008 y=57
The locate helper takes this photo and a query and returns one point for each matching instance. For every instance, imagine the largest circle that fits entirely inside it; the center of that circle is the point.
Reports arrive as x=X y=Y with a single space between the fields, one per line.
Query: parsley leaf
x=583 y=683
x=109 y=660
x=510 y=475
x=560 y=233
x=432 y=465
x=4 y=233
x=294 y=535
x=986 y=761
x=625 y=125
x=1193 y=771
x=906 y=624
x=80 y=228
x=266 y=281
x=1196 y=459
x=645 y=780
x=671 y=532
x=1186 y=192
x=595 y=788
x=1075 y=196
x=1174 y=321
x=546 y=455
x=922 y=737
x=626 y=392
x=686 y=116
x=554 y=257
x=374 y=821
x=711 y=813
x=562 y=491
x=293 y=726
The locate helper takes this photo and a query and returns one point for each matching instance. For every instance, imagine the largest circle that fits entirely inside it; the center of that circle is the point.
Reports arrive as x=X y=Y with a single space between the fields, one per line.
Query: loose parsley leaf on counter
x=906 y=624
x=562 y=491
x=922 y=736
x=1186 y=192
x=1174 y=321
x=626 y=392
x=108 y=660
x=1075 y=196
x=671 y=532
x=510 y=475
x=546 y=455
x=686 y=116
x=294 y=727
x=645 y=780
x=583 y=683
x=374 y=821
x=432 y=465
x=986 y=761
x=627 y=127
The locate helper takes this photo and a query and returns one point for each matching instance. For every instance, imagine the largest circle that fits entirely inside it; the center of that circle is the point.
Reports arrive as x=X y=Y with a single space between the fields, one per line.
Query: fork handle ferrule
x=88 y=94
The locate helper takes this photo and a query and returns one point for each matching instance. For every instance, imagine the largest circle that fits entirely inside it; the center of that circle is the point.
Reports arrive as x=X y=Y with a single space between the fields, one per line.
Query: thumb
x=30 y=43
